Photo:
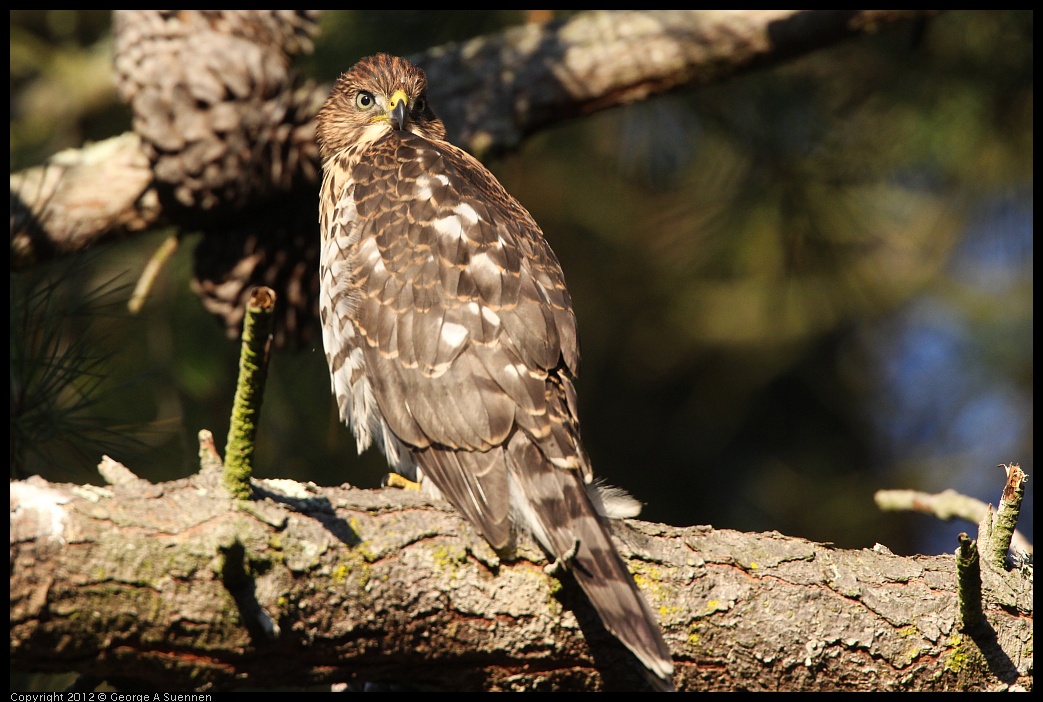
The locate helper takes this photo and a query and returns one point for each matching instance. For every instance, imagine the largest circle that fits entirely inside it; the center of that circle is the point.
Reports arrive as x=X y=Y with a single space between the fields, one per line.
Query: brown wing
x=462 y=313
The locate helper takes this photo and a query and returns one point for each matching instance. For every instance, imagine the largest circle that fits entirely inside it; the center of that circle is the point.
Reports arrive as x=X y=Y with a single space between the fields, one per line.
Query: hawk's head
x=378 y=94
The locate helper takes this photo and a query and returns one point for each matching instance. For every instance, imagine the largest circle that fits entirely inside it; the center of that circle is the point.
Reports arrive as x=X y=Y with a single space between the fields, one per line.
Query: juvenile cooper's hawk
x=451 y=338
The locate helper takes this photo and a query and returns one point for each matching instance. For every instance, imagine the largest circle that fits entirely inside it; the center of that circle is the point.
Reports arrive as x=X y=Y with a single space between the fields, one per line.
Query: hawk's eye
x=364 y=100
x=420 y=105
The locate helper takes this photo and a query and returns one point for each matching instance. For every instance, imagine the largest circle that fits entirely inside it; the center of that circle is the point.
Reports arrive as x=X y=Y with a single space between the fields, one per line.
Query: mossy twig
x=968 y=584
x=249 y=391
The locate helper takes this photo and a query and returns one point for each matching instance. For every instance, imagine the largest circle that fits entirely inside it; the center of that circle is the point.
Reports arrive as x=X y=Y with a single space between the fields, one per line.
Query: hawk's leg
x=561 y=564
x=397 y=481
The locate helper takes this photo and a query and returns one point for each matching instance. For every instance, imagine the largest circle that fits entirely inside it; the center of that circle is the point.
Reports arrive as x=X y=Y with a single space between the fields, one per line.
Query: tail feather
x=475 y=482
x=555 y=506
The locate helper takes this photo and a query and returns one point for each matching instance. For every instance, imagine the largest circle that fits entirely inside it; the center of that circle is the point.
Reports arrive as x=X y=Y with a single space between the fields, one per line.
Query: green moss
x=956 y=660
x=699 y=640
x=650 y=580
x=368 y=554
x=354 y=570
x=450 y=559
x=669 y=613
x=907 y=656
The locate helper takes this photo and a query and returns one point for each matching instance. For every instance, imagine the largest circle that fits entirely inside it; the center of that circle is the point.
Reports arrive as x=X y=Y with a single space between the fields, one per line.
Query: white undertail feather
x=613 y=502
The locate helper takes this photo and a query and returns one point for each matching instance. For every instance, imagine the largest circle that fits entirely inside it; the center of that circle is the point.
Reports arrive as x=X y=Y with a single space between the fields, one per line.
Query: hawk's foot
x=562 y=563
x=397 y=481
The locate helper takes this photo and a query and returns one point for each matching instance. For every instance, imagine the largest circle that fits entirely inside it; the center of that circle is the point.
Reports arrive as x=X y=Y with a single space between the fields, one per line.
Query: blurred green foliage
x=748 y=261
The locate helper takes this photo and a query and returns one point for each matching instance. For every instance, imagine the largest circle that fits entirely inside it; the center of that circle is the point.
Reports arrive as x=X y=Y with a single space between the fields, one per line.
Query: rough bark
x=177 y=586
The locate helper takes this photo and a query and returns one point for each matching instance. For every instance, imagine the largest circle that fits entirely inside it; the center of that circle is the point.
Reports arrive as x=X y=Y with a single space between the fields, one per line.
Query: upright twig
x=249 y=391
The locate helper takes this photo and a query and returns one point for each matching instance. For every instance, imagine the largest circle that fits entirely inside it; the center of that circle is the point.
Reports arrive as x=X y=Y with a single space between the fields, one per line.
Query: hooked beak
x=399 y=111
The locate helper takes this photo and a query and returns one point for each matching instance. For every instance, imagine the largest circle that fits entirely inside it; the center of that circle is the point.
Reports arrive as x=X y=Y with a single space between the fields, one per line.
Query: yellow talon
x=397 y=481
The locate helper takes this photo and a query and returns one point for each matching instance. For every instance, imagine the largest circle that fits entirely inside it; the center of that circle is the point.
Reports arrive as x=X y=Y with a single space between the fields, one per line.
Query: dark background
x=794 y=288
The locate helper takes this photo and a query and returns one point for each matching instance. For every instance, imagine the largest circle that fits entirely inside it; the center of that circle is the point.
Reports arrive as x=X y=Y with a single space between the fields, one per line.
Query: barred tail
x=561 y=516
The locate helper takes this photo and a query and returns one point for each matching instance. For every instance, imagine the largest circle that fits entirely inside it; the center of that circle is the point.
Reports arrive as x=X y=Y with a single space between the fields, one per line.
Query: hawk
x=451 y=339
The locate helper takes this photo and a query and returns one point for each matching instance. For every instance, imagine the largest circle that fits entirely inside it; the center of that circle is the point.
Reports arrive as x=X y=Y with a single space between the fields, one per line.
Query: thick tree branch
x=492 y=93
x=80 y=197
x=191 y=589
